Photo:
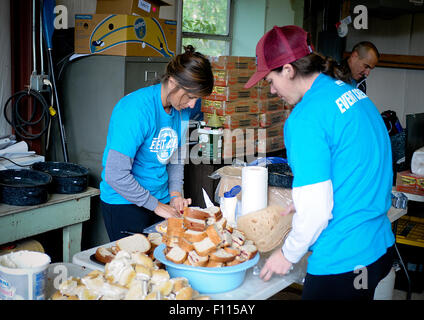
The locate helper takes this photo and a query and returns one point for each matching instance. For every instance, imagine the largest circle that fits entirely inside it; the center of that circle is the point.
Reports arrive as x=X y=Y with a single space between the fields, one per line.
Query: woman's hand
x=289 y=209
x=276 y=263
x=178 y=202
x=166 y=211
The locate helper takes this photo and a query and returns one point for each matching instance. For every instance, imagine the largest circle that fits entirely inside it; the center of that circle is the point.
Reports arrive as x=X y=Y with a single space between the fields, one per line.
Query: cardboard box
x=270 y=144
x=408 y=182
x=271 y=118
x=233 y=62
x=223 y=108
x=232 y=93
x=237 y=91
x=230 y=77
x=125 y=35
x=147 y=8
x=234 y=121
x=273 y=104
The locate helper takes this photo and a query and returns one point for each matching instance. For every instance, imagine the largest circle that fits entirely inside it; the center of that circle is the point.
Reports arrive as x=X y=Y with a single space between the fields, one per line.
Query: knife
x=208 y=201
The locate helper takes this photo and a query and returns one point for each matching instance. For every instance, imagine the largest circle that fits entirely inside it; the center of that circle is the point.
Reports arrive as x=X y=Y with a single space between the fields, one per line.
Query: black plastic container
x=280 y=175
x=24 y=187
x=68 y=178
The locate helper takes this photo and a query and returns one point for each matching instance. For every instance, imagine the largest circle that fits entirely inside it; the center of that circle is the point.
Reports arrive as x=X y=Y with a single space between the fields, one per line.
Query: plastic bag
x=417 y=162
x=230 y=176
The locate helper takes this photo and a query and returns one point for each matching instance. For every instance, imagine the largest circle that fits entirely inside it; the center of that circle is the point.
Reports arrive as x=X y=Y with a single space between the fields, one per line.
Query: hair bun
x=189 y=49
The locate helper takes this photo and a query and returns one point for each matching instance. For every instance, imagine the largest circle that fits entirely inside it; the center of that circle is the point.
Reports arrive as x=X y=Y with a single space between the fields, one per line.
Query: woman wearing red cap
x=339 y=151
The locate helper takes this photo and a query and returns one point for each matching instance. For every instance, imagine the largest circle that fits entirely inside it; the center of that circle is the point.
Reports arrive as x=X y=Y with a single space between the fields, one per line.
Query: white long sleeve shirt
x=313 y=204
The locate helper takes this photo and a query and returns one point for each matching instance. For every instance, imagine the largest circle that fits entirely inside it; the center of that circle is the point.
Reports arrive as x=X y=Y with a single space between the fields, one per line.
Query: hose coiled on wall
x=17 y=121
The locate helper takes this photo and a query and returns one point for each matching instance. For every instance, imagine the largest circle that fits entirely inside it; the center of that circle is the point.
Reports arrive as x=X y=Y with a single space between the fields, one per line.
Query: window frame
x=196 y=35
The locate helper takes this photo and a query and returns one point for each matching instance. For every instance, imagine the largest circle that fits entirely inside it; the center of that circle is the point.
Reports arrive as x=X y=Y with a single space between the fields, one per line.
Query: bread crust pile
x=128 y=276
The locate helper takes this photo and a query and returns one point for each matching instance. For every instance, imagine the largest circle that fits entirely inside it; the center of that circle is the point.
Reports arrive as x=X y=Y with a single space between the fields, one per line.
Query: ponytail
x=315 y=62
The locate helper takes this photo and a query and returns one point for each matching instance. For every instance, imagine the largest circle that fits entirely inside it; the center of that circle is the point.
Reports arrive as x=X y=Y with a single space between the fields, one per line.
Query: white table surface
x=252 y=288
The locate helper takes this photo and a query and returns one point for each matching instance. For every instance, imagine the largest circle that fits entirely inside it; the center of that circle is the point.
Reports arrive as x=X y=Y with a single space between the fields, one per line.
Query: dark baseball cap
x=277 y=47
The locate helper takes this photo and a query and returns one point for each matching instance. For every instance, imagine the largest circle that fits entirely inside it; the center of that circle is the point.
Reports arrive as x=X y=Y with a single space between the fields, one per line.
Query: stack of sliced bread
x=130 y=275
x=202 y=238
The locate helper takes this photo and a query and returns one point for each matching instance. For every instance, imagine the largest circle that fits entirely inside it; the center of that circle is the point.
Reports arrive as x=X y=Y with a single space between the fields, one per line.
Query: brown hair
x=192 y=72
x=315 y=62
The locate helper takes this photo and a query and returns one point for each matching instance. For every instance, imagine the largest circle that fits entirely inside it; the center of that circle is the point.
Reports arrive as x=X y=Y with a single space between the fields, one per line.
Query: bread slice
x=184 y=244
x=176 y=255
x=204 y=247
x=142 y=259
x=232 y=250
x=143 y=272
x=155 y=238
x=214 y=264
x=248 y=251
x=227 y=238
x=237 y=260
x=104 y=255
x=137 y=290
x=221 y=223
x=170 y=241
x=179 y=283
x=214 y=234
x=194 y=259
x=194 y=224
x=194 y=236
x=134 y=243
x=238 y=238
x=214 y=212
x=159 y=275
x=221 y=255
x=195 y=213
x=185 y=293
x=175 y=227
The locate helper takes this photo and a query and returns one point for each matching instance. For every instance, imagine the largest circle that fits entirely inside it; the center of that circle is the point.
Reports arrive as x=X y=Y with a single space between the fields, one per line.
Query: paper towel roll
x=254 y=189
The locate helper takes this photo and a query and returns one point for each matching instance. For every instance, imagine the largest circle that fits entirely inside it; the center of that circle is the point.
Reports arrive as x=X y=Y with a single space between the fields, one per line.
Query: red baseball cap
x=277 y=47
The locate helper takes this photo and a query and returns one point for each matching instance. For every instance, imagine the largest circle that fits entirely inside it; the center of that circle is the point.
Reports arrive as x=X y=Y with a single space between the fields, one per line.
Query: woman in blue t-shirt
x=339 y=151
x=143 y=161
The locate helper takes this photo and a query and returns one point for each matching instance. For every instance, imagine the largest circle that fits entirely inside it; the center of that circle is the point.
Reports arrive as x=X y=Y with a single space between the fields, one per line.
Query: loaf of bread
x=267 y=227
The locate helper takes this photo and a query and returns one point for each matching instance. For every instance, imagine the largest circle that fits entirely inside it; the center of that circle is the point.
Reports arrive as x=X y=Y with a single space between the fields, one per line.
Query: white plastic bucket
x=23 y=275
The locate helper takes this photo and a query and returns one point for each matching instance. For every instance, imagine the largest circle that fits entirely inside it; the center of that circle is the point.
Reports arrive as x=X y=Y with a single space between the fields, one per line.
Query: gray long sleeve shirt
x=118 y=174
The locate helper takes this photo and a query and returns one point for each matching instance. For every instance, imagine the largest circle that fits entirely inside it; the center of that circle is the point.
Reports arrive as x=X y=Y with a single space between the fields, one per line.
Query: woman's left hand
x=276 y=263
x=179 y=203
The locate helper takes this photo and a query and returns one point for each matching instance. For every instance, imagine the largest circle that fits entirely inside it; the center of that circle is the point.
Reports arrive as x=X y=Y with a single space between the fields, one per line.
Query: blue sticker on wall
x=140 y=28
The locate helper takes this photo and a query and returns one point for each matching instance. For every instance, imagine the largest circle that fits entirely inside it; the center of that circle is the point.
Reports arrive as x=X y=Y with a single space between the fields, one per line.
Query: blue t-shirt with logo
x=336 y=133
x=141 y=129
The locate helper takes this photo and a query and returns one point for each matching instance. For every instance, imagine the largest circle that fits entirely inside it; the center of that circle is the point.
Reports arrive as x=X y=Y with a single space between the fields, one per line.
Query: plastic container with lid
x=229 y=205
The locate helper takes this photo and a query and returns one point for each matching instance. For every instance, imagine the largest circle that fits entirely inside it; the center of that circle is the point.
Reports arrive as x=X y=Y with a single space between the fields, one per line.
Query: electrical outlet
x=37 y=82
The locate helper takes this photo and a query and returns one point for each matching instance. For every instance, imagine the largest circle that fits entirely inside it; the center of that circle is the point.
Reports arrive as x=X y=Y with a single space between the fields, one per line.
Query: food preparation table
x=253 y=288
x=66 y=211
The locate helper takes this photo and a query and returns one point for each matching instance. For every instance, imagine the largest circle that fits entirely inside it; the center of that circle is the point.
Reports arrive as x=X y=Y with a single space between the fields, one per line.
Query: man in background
x=362 y=60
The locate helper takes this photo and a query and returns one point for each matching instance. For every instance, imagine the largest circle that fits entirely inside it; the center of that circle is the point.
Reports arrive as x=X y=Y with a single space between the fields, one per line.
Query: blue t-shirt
x=336 y=133
x=141 y=129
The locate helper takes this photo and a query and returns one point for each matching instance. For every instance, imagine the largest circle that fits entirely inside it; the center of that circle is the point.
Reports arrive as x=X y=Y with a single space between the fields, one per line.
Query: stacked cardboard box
x=126 y=28
x=240 y=108
x=408 y=182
